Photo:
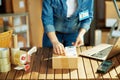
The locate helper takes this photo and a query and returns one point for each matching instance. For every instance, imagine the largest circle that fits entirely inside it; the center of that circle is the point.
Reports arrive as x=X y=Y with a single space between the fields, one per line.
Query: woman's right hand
x=58 y=48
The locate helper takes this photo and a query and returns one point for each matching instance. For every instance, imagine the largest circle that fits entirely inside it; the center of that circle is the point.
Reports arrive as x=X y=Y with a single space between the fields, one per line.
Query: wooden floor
x=41 y=69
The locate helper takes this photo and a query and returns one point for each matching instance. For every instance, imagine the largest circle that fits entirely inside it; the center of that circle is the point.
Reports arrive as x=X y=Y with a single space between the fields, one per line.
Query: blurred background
x=24 y=18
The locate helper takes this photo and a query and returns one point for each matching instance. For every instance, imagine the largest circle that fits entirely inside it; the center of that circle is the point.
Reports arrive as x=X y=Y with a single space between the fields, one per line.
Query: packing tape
x=4 y=52
x=4 y=61
x=5 y=68
x=19 y=57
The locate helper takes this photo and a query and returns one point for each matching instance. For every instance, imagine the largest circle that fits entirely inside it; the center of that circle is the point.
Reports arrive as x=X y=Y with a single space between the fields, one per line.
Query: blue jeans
x=65 y=38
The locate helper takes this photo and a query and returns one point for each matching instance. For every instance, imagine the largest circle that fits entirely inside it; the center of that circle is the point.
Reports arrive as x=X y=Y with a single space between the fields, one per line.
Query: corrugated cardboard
x=19 y=6
x=65 y=61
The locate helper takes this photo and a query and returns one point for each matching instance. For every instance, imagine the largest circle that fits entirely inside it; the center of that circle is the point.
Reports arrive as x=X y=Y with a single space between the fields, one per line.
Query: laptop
x=103 y=51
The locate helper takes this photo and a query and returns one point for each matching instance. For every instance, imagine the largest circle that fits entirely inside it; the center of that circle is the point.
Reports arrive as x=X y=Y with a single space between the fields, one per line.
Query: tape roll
x=5 y=64
x=4 y=52
x=13 y=52
x=4 y=61
x=5 y=68
x=19 y=57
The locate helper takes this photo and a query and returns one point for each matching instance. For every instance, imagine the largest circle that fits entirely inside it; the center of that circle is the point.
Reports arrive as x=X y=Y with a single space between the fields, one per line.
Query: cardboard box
x=8 y=6
x=65 y=62
x=19 y=6
x=5 y=6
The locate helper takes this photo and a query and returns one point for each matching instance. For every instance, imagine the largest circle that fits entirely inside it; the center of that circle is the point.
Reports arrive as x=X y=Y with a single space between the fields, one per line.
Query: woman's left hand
x=80 y=38
x=79 y=41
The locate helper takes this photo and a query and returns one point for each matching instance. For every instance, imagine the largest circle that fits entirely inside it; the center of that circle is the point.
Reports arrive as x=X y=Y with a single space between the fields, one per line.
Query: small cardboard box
x=19 y=6
x=67 y=61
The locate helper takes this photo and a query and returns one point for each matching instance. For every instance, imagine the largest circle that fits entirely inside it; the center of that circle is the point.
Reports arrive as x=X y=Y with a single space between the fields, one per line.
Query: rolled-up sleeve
x=87 y=22
x=47 y=16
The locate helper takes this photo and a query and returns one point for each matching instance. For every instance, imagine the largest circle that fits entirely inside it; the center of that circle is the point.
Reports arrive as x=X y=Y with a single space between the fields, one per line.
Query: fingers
x=59 y=49
x=78 y=43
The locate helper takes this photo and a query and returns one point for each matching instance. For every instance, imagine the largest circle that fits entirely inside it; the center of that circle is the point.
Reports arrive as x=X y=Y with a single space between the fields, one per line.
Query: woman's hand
x=58 y=48
x=79 y=41
x=80 y=38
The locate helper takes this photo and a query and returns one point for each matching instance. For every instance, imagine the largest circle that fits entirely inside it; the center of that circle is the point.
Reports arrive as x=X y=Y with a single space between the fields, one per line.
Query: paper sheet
x=70 y=51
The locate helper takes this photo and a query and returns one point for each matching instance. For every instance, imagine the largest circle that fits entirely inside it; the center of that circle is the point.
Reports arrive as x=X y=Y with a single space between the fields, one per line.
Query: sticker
x=21 y=4
x=83 y=15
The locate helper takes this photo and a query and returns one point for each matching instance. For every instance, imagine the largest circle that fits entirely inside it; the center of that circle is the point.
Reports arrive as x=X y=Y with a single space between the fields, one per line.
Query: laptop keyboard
x=102 y=53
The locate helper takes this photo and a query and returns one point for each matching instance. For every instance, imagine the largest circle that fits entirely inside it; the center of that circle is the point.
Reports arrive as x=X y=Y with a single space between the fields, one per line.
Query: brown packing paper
x=67 y=61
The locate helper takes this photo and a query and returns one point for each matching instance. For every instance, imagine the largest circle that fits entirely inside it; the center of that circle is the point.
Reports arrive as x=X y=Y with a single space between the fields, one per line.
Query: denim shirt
x=54 y=16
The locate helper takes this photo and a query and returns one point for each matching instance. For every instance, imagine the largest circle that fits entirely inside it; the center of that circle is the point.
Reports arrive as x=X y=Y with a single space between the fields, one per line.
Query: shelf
x=13 y=14
x=18 y=22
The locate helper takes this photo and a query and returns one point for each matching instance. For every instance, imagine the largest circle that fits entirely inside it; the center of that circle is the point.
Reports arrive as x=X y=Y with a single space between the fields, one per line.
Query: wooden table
x=41 y=69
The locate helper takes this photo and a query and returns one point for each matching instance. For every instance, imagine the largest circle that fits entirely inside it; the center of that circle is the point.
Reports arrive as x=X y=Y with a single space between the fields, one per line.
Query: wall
x=110 y=9
x=36 y=28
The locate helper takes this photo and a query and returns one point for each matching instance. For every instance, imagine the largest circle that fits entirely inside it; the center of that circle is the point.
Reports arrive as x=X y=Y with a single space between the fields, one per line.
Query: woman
x=65 y=22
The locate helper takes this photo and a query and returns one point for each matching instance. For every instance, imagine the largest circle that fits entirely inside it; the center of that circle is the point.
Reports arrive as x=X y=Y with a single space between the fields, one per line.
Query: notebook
x=102 y=51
